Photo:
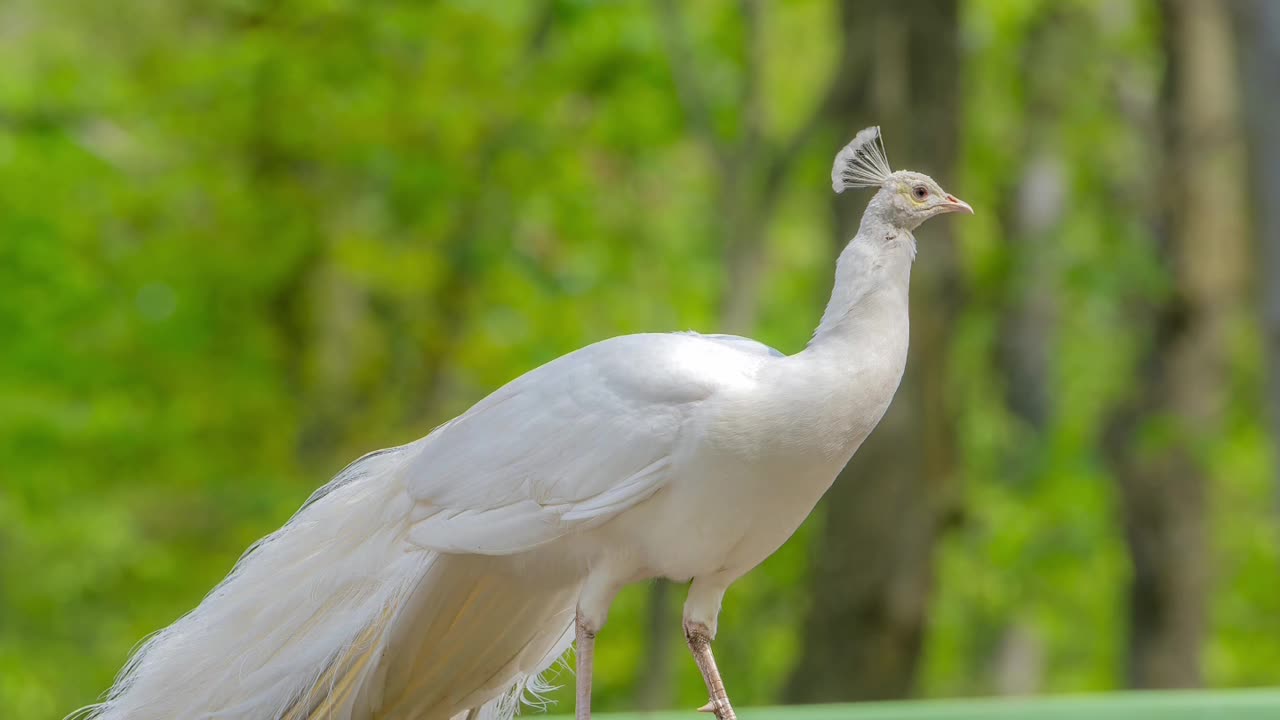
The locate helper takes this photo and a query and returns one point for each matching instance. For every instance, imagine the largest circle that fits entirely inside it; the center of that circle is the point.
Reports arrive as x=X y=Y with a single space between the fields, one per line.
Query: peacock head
x=906 y=198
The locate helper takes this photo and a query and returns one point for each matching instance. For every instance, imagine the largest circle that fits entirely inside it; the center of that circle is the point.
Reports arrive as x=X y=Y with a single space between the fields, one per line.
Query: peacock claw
x=709 y=707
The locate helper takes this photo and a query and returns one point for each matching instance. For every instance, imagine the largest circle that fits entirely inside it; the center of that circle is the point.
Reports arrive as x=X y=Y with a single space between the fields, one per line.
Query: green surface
x=1236 y=705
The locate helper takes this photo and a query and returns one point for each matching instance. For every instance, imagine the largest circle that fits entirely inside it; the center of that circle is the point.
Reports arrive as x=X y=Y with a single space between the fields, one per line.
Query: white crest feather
x=861 y=163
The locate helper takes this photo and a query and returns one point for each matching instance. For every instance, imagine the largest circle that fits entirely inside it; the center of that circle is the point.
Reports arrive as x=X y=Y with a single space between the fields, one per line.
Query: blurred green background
x=243 y=242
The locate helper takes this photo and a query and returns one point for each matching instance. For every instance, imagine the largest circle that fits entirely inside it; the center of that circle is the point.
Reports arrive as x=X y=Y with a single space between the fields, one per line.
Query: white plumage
x=440 y=578
x=861 y=163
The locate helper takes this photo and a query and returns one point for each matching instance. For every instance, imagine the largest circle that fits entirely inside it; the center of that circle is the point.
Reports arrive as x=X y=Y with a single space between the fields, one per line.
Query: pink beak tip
x=961 y=206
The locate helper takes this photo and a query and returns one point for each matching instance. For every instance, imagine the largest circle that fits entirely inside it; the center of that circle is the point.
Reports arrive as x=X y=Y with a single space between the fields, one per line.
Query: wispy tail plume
x=296 y=603
x=338 y=616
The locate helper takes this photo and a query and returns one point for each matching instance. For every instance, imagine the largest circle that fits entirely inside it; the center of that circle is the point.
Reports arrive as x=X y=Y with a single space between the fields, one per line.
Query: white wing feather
x=745 y=344
x=567 y=445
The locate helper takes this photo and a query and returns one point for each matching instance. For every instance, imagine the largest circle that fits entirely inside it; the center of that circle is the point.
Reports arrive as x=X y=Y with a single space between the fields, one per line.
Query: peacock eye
x=920 y=192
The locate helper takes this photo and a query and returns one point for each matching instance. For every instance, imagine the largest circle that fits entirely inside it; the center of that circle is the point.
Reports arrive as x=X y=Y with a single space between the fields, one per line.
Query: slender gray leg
x=585 y=650
x=699 y=638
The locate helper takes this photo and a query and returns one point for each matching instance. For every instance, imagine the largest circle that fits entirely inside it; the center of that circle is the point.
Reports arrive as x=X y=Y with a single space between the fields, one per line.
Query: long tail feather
x=338 y=616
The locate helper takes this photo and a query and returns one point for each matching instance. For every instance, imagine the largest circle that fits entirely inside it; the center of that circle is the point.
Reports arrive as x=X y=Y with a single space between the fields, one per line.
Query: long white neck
x=873 y=276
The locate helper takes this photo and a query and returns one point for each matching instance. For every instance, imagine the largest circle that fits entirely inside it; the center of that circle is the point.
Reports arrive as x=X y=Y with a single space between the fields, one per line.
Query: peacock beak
x=955 y=204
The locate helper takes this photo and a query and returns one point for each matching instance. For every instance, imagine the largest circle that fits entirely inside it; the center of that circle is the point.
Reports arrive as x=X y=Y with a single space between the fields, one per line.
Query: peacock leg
x=585 y=642
x=699 y=637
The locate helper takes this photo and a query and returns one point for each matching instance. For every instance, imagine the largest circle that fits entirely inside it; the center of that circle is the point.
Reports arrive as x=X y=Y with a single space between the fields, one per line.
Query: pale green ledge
x=1177 y=705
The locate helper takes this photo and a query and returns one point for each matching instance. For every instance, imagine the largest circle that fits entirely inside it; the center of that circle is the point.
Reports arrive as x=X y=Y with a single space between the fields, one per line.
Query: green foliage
x=243 y=242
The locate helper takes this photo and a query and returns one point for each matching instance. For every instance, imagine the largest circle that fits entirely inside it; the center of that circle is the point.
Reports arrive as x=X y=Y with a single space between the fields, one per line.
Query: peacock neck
x=869 y=299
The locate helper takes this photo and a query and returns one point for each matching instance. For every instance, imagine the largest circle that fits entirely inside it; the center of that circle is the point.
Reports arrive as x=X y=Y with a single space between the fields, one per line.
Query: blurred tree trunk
x=1033 y=207
x=1258 y=22
x=1162 y=476
x=872 y=574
